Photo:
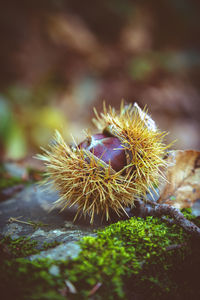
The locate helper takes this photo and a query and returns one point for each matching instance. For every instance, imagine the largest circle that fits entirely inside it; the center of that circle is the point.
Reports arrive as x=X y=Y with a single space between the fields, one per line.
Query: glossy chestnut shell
x=107 y=148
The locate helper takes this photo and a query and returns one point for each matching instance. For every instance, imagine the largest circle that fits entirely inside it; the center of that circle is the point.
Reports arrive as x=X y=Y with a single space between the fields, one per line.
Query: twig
x=95 y=288
x=160 y=210
x=31 y=223
x=12 y=219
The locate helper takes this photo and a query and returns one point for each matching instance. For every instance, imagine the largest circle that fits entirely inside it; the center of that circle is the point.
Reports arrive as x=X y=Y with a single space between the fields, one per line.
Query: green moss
x=7 y=180
x=22 y=279
x=21 y=247
x=131 y=259
x=50 y=245
x=14 y=248
x=132 y=252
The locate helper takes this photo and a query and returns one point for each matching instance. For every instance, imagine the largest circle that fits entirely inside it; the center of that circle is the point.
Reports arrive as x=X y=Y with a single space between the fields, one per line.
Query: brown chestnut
x=107 y=148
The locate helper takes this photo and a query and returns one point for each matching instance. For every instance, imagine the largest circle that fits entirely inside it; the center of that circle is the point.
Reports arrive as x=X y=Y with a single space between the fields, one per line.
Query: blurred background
x=60 y=58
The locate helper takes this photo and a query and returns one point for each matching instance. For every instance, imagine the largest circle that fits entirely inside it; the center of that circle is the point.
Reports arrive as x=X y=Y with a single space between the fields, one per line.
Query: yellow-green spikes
x=109 y=170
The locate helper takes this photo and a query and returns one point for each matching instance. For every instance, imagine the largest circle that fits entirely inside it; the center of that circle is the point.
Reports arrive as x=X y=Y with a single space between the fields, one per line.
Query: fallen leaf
x=182 y=188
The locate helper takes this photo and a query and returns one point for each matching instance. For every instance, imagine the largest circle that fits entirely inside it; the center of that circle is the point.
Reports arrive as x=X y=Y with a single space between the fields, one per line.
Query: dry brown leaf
x=182 y=188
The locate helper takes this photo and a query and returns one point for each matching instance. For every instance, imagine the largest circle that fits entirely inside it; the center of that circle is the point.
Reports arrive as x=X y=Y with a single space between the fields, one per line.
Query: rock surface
x=28 y=214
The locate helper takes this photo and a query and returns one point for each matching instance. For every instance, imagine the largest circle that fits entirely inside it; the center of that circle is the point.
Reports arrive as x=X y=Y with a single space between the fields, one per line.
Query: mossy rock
x=133 y=259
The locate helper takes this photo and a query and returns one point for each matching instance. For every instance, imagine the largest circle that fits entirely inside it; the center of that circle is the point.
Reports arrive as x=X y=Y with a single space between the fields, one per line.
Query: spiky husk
x=84 y=180
x=142 y=141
